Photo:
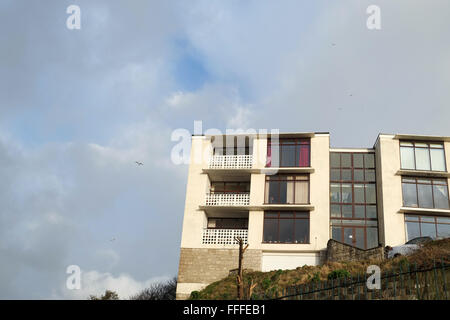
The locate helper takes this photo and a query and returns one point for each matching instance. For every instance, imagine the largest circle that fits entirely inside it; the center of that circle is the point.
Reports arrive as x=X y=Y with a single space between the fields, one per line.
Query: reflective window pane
x=372 y=237
x=335 y=175
x=422 y=159
x=348 y=236
x=335 y=192
x=440 y=197
x=336 y=233
x=412 y=230
x=286 y=230
x=371 y=194
x=369 y=160
x=359 y=193
x=346 y=160
x=346 y=174
x=302 y=230
x=359 y=238
x=335 y=160
x=270 y=230
x=359 y=174
x=370 y=175
x=437 y=159
x=425 y=196
x=274 y=195
x=443 y=230
x=288 y=156
x=359 y=212
x=409 y=195
x=347 y=211
x=335 y=210
x=346 y=193
x=358 y=160
x=371 y=212
x=428 y=230
x=407 y=158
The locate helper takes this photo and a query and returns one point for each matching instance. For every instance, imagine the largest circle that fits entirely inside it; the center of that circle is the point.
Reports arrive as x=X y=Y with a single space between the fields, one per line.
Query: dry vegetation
x=275 y=281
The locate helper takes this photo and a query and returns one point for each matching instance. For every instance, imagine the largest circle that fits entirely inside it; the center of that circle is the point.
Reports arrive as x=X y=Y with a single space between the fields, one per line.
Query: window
x=353 y=211
x=425 y=193
x=287 y=189
x=427 y=226
x=286 y=227
x=230 y=187
x=227 y=223
x=422 y=156
x=233 y=151
x=291 y=153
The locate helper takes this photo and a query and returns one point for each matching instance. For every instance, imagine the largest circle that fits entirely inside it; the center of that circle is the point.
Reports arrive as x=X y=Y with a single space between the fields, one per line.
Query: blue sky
x=79 y=107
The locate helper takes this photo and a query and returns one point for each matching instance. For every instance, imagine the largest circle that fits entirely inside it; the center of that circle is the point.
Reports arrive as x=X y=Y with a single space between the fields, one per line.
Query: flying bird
x=139 y=163
x=113 y=239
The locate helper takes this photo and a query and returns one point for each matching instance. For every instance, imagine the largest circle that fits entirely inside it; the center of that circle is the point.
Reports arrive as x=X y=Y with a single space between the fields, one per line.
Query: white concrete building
x=286 y=195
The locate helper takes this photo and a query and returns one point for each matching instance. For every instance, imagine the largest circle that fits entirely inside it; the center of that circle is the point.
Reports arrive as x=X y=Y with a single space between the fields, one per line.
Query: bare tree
x=240 y=275
x=158 y=291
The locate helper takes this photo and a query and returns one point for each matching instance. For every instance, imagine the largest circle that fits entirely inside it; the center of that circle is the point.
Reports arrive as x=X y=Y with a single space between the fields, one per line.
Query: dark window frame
x=419 y=222
x=349 y=222
x=306 y=216
x=288 y=141
x=416 y=183
x=234 y=228
x=429 y=147
x=231 y=190
x=267 y=189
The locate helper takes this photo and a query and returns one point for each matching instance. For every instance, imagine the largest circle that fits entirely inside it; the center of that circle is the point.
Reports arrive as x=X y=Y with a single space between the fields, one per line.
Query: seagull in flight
x=139 y=163
x=113 y=239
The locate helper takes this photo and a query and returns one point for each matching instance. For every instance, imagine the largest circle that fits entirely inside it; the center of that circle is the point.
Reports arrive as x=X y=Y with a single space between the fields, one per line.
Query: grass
x=276 y=281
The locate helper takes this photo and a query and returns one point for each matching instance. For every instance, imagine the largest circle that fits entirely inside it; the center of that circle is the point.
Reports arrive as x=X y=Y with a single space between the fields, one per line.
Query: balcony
x=224 y=236
x=231 y=162
x=227 y=199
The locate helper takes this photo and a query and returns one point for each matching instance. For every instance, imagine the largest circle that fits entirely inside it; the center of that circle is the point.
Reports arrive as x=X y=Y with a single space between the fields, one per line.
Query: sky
x=79 y=107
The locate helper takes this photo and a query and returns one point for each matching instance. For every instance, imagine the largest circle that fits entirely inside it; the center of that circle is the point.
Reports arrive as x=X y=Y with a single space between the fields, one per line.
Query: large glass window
x=353 y=198
x=422 y=156
x=427 y=226
x=286 y=227
x=288 y=153
x=287 y=189
x=425 y=193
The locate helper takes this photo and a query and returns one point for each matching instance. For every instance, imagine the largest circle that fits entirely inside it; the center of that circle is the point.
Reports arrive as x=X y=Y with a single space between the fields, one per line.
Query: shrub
x=195 y=295
x=336 y=274
x=266 y=283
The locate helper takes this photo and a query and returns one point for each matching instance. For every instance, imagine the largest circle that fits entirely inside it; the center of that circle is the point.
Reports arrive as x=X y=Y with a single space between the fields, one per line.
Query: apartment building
x=286 y=195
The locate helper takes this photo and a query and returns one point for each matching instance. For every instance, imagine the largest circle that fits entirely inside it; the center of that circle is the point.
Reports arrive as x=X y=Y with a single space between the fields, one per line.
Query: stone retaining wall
x=338 y=251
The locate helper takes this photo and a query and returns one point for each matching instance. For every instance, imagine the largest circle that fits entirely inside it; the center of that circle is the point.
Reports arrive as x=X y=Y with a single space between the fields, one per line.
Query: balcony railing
x=231 y=162
x=224 y=236
x=227 y=199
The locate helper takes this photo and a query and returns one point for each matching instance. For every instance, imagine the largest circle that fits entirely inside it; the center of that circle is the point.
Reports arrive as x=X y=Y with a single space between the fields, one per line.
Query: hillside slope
x=277 y=281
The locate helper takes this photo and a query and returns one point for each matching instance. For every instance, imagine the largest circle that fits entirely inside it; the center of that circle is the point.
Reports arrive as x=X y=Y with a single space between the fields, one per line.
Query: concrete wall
x=390 y=191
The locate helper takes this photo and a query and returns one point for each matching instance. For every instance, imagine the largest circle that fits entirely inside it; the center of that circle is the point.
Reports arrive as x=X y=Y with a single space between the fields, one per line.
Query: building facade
x=286 y=195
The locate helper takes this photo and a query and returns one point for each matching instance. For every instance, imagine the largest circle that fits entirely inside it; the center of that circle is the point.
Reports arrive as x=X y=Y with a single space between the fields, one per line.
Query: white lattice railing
x=227 y=199
x=231 y=162
x=224 y=236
